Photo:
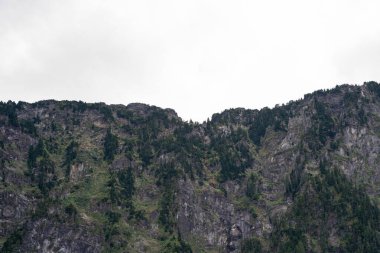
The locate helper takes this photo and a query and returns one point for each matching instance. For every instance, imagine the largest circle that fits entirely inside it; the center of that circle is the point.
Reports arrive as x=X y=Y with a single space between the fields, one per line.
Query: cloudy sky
x=197 y=57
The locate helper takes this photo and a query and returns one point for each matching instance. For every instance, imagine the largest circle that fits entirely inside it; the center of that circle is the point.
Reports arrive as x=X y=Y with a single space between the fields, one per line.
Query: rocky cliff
x=301 y=177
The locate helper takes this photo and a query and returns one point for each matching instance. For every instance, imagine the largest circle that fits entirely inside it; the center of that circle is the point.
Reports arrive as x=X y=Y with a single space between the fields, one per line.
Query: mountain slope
x=301 y=177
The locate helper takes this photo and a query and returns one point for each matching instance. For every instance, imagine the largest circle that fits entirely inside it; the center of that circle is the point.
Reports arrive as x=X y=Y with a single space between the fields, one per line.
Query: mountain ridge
x=91 y=177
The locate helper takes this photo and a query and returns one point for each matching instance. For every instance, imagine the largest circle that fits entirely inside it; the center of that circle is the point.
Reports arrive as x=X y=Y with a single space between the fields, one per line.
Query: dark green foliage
x=253 y=184
x=325 y=201
x=129 y=146
x=46 y=177
x=373 y=87
x=127 y=182
x=351 y=98
x=322 y=129
x=231 y=167
x=111 y=144
x=300 y=247
x=176 y=245
x=79 y=106
x=354 y=207
x=362 y=117
x=294 y=181
x=252 y=211
x=114 y=189
x=166 y=216
x=76 y=121
x=124 y=114
x=189 y=148
x=71 y=154
x=354 y=109
x=146 y=153
x=72 y=212
x=52 y=145
x=234 y=155
x=35 y=152
x=277 y=118
x=326 y=93
x=107 y=113
x=251 y=245
x=121 y=187
x=258 y=128
x=2 y=169
x=53 y=126
x=113 y=235
x=27 y=126
x=13 y=241
x=13 y=120
x=41 y=167
x=113 y=217
x=325 y=123
x=289 y=239
x=101 y=108
x=152 y=125
x=166 y=174
x=9 y=109
x=145 y=128
x=232 y=116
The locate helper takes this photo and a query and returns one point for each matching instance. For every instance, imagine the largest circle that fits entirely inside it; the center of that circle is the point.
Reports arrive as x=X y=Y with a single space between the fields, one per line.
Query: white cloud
x=198 y=57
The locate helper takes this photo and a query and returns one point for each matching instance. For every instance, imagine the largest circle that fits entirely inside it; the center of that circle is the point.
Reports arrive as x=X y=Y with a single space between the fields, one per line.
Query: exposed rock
x=303 y=176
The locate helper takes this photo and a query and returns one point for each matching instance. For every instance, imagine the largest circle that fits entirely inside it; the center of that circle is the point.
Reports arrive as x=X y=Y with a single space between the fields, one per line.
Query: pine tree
x=127 y=181
x=111 y=144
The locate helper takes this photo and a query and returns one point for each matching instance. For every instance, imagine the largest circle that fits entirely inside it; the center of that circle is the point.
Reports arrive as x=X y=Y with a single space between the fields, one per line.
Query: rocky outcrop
x=244 y=181
x=47 y=237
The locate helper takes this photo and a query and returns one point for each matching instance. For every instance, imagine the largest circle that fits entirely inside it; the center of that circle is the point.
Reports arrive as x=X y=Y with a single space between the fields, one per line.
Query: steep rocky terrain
x=301 y=177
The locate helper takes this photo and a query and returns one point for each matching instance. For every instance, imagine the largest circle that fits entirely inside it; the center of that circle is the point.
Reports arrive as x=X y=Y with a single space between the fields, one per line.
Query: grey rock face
x=48 y=237
x=15 y=209
x=209 y=213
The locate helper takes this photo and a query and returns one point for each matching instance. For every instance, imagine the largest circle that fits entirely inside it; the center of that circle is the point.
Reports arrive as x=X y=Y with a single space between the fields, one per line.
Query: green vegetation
x=373 y=87
x=127 y=182
x=114 y=234
x=9 y=109
x=253 y=187
x=276 y=117
x=72 y=211
x=111 y=144
x=329 y=196
x=27 y=126
x=13 y=241
x=323 y=128
x=71 y=154
x=114 y=190
x=166 y=174
x=176 y=245
x=41 y=167
x=294 y=182
x=144 y=180
x=121 y=188
x=251 y=245
x=234 y=154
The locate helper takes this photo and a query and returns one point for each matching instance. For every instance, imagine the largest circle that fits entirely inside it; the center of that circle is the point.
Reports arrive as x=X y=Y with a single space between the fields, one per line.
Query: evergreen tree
x=127 y=181
x=114 y=190
x=111 y=144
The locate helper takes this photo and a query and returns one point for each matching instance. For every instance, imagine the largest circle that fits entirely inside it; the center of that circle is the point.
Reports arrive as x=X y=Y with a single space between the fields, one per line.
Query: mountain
x=301 y=177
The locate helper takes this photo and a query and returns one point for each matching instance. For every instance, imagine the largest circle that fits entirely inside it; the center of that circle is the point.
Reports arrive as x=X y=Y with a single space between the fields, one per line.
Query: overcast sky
x=197 y=57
